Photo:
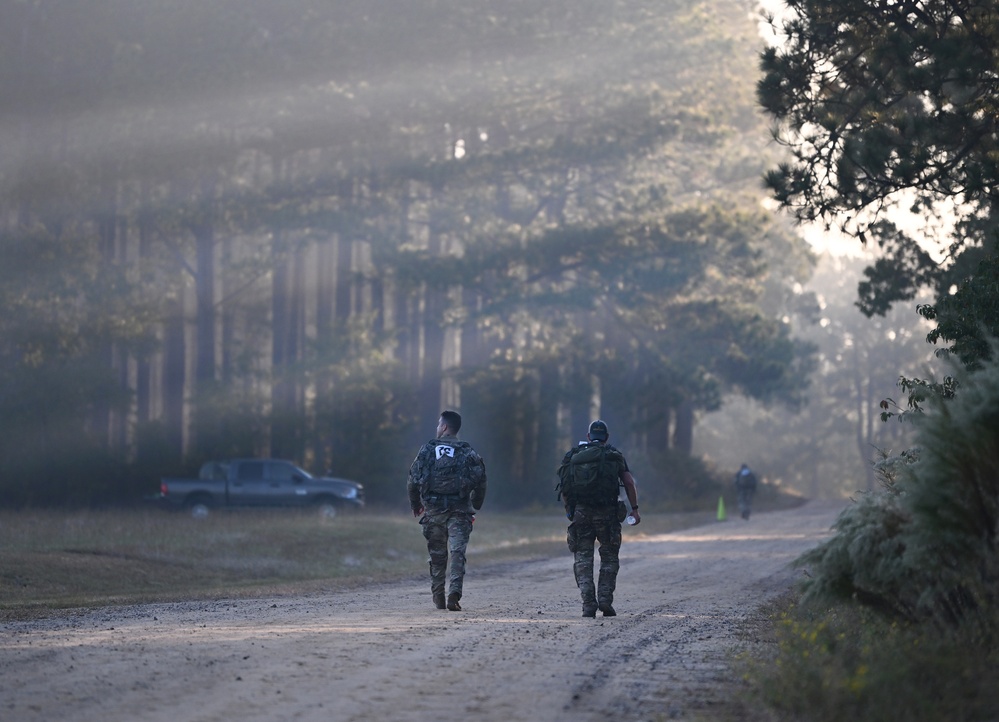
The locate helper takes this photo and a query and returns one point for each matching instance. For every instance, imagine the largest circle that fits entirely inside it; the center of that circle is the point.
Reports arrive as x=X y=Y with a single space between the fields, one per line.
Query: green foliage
x=917 y=391
x=923 y=548
x=865 y=560
x=969 y=317
x=910 y=114
x=886 y=105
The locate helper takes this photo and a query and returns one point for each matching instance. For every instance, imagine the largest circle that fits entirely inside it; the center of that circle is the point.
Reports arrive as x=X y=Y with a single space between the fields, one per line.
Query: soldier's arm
x=631 y=489
x=413 y=485
x=479 y=492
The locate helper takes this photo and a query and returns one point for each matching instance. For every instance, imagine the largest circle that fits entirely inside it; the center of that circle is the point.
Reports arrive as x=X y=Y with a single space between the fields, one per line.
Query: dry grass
x=59 y=559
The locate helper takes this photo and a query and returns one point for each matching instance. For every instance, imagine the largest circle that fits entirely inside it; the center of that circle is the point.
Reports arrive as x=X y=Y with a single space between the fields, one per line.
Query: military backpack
x=589 y=475
x=450 y=469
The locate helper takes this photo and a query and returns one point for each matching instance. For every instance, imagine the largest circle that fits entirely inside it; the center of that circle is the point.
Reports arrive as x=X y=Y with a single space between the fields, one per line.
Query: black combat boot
x=439 y=600
x=452 y=602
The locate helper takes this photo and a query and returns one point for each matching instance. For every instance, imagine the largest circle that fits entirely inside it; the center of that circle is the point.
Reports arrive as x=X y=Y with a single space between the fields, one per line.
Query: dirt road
x=519 y=651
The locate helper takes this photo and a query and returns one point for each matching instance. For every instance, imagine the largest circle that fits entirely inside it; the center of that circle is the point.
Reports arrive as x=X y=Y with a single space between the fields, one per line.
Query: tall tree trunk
x=546 y=453
x=227 y=317
x=432 y=344
x=379 y=291
x=204 y=236
x=123 y=420
x=326 y=290
x=863 y=404
x=580 y=404
x=106 y=228
x=174 y=378
x=143 y=369
x=325 y=301
x=344 y=291
x=282 y=329
x=431 y=350
x=296 y=351
x=206 y=435
x=287 y=324
x=343 y=310
x=683 y=431
x=657 y=416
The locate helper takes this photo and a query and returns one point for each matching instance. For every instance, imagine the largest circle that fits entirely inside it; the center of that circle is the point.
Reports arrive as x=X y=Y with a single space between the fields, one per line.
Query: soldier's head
x=598 y=431
x=449 y=424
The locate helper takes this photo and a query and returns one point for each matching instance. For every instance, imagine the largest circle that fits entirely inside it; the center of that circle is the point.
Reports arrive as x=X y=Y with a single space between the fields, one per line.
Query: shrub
x=923 y=547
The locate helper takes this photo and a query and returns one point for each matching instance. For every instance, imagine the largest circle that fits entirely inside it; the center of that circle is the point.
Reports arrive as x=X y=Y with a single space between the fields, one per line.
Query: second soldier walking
x=589 y=480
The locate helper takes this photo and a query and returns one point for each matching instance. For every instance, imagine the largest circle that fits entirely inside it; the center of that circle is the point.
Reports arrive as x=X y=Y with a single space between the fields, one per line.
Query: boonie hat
x=598 y=430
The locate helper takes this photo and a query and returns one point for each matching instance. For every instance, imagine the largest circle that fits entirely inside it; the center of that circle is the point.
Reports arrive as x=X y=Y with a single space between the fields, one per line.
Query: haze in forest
x=303 y=229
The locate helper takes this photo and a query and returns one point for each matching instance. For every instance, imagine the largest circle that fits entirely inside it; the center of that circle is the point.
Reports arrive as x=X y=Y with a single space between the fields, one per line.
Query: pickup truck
x=258 y=483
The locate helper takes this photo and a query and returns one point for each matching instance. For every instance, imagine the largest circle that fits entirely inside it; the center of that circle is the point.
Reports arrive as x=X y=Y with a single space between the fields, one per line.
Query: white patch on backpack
x=445 y=451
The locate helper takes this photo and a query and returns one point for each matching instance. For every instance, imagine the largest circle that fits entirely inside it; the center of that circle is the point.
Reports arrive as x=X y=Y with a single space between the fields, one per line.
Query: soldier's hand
x=638 y=517
x=418 y=512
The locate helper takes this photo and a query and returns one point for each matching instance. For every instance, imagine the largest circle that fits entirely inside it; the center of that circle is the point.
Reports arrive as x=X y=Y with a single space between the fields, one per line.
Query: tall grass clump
x=898 y=616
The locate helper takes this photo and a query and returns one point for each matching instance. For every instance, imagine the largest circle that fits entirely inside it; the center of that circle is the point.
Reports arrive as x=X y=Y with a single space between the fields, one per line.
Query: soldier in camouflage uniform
x=447 y=481
x=598 y=523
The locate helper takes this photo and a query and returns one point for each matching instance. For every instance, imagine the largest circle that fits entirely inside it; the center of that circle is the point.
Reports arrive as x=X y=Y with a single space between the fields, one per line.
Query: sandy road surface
x=519 y=651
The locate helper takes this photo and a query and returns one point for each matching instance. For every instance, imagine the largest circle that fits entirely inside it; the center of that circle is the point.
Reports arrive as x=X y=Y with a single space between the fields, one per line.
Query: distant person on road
x=447 y=481
x=745 y=487
x=589 y=480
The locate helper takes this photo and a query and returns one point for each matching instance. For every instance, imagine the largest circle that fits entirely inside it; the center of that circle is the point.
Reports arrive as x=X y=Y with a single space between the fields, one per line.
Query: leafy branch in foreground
x=917 y=391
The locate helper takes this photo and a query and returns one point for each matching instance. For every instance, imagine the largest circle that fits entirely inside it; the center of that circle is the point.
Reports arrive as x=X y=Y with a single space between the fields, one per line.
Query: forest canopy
x=892 y=107
x=301 y=230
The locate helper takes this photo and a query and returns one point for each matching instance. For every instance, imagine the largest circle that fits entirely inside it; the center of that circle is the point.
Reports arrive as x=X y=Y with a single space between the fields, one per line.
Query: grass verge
x=827 y=664
x=60 y=559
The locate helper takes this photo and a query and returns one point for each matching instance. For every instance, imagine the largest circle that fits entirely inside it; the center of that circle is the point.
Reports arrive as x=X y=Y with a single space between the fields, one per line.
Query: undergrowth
x=847 y=662
x=899 y=618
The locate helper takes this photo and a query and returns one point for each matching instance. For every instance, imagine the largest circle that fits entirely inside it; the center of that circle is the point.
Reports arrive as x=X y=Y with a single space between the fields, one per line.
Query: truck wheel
x=327 y=509
x=198 y=509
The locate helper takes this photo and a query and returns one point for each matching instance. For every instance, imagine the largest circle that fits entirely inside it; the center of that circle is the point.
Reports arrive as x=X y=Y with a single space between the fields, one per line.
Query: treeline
x=828 y=448
x=302 y=230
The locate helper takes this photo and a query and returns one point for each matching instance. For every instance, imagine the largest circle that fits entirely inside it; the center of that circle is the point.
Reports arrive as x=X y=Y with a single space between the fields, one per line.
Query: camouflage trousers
x=588 y=527
x=447 y=536
x=745 y=497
